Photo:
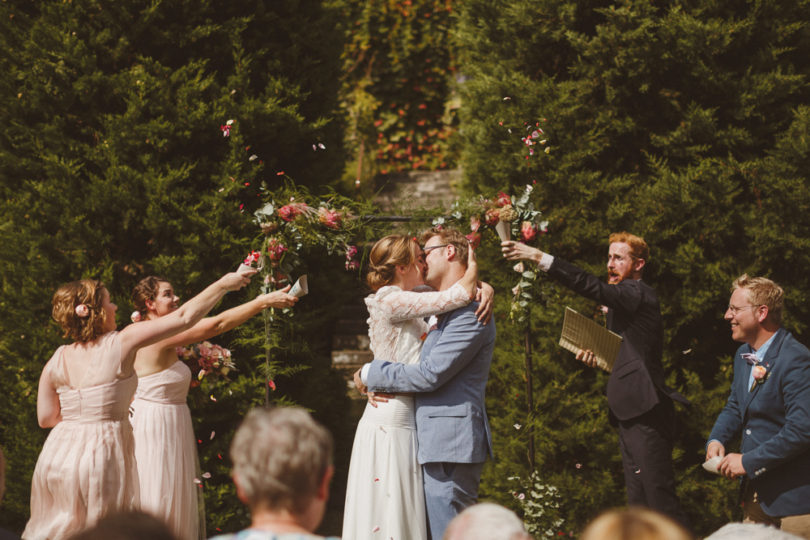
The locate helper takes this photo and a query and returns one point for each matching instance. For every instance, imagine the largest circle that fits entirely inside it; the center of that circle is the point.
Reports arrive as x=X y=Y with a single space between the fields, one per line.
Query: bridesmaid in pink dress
x=87 y=465
x=165 y=448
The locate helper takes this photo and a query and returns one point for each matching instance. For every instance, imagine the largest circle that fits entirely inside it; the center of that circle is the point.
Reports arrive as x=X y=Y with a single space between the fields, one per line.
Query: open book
x=580 y=332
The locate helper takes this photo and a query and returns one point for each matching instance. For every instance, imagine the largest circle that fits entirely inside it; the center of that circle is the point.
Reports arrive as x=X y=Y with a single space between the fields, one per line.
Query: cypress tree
x=682 y=122
x=115 y=165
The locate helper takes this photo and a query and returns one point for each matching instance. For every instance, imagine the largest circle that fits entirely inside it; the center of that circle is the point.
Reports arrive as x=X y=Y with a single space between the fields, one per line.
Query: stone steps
x=417 y=189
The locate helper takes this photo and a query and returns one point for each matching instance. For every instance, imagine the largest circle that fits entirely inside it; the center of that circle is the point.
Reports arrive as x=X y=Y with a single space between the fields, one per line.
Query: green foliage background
x=685 y=122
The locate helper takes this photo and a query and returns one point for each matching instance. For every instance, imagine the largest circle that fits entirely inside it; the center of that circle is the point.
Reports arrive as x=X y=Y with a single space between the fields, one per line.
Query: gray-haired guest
x=282 y=466
x=486 y=521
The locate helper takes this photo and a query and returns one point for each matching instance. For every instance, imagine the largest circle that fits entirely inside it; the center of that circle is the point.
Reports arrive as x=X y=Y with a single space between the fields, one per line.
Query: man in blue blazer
x=640 y=404
x=769 y=407
x=451 y=420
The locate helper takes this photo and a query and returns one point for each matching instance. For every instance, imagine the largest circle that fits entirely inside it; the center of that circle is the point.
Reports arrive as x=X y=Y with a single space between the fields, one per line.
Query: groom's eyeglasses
x=427 y=249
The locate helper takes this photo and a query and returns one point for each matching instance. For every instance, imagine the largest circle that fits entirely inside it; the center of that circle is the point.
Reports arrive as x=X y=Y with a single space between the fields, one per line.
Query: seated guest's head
x=132 y=525
x=634 y=524
x=282 y=466
x=486 y=521
x=749 y=531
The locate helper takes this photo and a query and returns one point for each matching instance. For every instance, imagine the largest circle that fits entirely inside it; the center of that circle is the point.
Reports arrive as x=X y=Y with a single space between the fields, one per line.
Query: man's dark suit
x=640 y=404
x=774 y=421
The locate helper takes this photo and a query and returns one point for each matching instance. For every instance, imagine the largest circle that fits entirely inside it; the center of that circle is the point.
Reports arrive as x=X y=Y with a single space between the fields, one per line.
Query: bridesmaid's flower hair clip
x=82 y=310
x=136 y=316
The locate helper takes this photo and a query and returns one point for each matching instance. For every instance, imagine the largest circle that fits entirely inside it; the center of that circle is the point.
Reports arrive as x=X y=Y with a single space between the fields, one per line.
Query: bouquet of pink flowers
x=206 y=358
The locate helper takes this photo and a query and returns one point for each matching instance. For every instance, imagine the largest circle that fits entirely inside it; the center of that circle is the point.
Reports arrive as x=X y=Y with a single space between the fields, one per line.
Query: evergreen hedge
x=683 y=122
x=114 y=165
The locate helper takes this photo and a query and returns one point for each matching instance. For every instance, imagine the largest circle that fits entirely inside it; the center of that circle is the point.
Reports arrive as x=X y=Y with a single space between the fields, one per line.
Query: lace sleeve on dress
x=403 y=305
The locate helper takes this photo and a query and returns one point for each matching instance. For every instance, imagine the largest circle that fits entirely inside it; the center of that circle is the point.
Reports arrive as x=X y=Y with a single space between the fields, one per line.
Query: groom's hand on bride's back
x=378 y=397
x=373 y=397
x=358 y=382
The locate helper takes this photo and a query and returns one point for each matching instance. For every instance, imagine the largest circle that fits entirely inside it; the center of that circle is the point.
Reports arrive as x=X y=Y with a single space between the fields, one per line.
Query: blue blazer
x=449 y=381
x=774 y=422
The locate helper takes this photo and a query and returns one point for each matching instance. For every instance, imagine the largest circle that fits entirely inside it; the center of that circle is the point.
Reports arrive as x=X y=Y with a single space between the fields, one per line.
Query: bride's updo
x=388 y=253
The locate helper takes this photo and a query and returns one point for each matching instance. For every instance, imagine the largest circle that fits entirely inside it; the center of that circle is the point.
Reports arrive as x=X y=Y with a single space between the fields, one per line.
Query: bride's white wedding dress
x=384 y=495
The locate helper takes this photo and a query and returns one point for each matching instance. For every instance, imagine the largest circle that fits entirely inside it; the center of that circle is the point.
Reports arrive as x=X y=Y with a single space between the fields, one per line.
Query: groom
x=451 y=421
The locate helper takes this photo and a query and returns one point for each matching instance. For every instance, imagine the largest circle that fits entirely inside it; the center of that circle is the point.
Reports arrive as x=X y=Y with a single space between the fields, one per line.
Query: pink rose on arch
x=275 y=249
x=492 y=216
x=351 y=262
x=330 y=218
x=504 y=199
x=291 y=211
x=475 y=223
x=528 y=231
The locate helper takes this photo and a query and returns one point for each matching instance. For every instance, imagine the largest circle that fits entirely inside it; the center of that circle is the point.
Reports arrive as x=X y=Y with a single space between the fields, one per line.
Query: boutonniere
x=759 y=370
x=433 y=324
x=761 y=373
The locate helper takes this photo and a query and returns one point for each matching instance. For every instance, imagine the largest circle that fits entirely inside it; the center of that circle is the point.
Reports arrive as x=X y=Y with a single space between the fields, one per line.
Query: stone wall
x=397 y=193
x=417 y=189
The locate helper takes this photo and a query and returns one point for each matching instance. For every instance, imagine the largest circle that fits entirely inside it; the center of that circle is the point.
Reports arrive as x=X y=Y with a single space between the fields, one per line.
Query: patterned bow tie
x=751 y=358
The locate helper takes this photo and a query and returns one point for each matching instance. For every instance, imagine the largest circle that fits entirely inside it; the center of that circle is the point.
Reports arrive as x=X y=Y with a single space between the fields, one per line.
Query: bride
x=384 y=494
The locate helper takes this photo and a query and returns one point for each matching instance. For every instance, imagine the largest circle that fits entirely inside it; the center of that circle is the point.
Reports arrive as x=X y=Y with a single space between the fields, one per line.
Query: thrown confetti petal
x=213 y=398
x=206 y=475
x=212 y=435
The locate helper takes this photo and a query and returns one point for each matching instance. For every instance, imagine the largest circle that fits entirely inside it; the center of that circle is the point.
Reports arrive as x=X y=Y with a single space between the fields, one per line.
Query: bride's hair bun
x=388 y=253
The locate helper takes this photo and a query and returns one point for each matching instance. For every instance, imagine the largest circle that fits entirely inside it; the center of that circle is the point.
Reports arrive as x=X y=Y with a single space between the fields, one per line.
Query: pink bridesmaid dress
x=87 y=465
x=166 y=451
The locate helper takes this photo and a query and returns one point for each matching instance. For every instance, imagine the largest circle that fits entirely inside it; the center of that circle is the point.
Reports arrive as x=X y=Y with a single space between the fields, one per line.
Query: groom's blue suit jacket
x=774 y=423
x=449 y=381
